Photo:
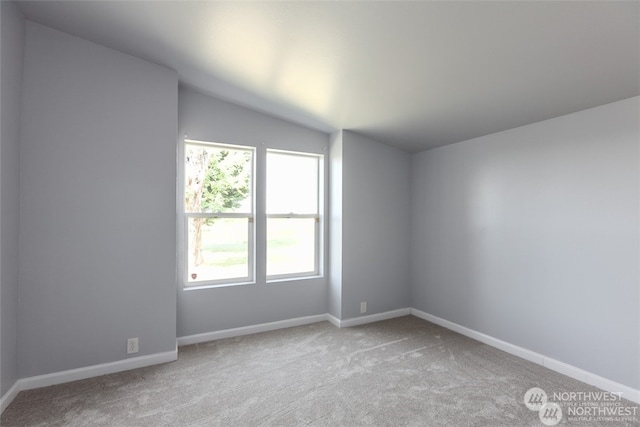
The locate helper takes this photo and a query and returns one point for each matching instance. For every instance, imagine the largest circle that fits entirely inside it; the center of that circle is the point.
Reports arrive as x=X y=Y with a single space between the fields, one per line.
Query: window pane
x=218 y=249
x=217 y=179
x=291 y=244
x=292 y=183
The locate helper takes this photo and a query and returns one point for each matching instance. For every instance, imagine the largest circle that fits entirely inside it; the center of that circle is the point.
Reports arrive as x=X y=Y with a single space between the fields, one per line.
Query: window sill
x=215 y=285
x=293 y=279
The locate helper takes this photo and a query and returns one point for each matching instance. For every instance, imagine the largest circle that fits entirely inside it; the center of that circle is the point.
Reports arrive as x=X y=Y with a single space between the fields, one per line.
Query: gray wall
x=532 y=236
x=375 y=226
x=202 y=117
x=97 y=231
x=12 y=27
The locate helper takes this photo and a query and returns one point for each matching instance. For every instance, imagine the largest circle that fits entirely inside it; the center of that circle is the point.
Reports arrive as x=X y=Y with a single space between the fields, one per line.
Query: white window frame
x=250 y=216
x=317 y=216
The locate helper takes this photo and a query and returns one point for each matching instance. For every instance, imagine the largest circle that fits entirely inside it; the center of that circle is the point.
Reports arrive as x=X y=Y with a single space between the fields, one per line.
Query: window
x=293 y=220
x=250 y=215
x=218 y=213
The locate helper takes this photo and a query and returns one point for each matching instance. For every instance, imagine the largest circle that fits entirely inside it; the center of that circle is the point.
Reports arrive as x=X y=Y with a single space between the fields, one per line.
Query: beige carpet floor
x=403 y=371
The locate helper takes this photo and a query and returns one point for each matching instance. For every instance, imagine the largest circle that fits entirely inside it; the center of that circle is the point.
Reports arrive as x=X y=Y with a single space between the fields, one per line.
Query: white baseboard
x=97 y=370
x=548 y=362
x=478 y=336
x=628 y=393
x=355 y=321
x=281 y=324
x=85 y=372
x=8 y=397
x=252 y=329
x=333 y=320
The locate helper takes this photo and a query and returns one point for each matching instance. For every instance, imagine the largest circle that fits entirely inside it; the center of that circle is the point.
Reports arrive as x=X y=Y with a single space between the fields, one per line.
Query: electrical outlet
x=132 y=345
x=363 y=307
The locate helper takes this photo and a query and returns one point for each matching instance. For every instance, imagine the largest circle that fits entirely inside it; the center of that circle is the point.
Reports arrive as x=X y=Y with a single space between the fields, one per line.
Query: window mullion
x=292 y=215
x=218 y=215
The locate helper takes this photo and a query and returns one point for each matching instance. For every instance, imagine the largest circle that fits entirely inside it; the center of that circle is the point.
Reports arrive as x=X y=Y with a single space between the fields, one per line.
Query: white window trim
x=318 y=246
x=251 y=267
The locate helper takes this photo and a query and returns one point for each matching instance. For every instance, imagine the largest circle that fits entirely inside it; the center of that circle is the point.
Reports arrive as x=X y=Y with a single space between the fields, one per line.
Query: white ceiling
x=411 y=74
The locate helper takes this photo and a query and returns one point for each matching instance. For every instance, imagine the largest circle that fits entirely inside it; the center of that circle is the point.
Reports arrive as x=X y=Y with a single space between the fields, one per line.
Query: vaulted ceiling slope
x=413 y=74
